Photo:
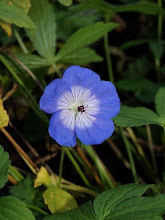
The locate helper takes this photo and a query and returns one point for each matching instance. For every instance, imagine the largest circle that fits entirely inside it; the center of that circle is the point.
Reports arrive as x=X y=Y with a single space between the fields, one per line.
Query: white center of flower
x=78 y=107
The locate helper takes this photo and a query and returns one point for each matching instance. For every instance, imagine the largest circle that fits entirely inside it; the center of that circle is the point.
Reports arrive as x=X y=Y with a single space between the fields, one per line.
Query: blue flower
x=82 y=105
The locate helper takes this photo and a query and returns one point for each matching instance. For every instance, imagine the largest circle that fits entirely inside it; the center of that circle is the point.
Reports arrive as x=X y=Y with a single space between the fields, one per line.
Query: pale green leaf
x=66 y=2
x=82 y=56
x=13 y=209
x=15 y=15
x=44 y=37
x=160 y=103
x=83 y=37
x=4 y=167
x=136 y=116
x=59 y=200
x=106 y=201
x=157 y=49
x=4 y=117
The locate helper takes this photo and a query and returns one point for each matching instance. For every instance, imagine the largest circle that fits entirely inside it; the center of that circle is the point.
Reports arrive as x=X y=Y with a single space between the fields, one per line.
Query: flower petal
x=109 y=102
x=76 y=75
x=62 y=128
x=57 y=95
x=91 y=130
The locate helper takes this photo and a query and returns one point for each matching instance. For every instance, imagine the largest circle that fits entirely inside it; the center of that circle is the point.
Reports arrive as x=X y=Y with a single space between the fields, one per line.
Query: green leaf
x=24 y=190
x=139 y=208
x=157 y=49
x=160 y=103
x=12 y=208
x=84 y=212
x=106 y=201
x=59 y=200
x=14 y=15
x=83 y=37
x=136 y=116
x=44 y=38
x=32 y=61
x=82 y=56
x=66 y=2
x=24 y=5
x=4 y=167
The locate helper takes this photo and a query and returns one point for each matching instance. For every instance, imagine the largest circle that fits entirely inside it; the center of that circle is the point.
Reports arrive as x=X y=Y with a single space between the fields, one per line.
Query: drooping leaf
x=4 y=118
x=24 y=5
x=24 y=190
x=82 y=56
x=15 y=15
x=59 y=200
x=4 y=167
x=160 y=103
x=136 y=116
x=43 y=178
x=12 y=208
x=66 y=2
x=6 y=27
x=44 y=37
x=83 y=37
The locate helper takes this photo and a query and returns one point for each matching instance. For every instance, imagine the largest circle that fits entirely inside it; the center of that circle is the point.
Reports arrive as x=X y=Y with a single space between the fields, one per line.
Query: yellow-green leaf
x=24 y=5
x=4 y=118
x=43 y=178
x=6 y=27
x=59 y=200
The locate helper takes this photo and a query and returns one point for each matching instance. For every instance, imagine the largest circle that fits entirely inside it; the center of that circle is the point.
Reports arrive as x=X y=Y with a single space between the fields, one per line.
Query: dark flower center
x=81 y=108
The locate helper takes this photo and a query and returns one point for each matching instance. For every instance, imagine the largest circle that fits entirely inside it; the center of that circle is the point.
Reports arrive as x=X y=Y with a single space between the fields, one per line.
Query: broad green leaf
x=106 y=201
x=136 y=116
x=4 y=167
x=59 y=200
x=6 y=27
x=82 y=56
x=160 y=103
x=24 y=5
x=66 y=2
x=13 y=209
x=83 y=37
x=15 y=15
x=32 y=61
x=4 y=118
x=139 y=208
x=84 y=212
x=24 y=190
x=44 y=38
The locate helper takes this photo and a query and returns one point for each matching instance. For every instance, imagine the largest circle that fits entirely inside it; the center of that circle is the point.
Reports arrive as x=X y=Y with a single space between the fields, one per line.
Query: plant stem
x=108 y=58
x=130 y=156
x=160 y=21
x=57 y=70
x=37 y=209
x=20 y=41
x=15 y=173
x=80 y=172
x=61 y=165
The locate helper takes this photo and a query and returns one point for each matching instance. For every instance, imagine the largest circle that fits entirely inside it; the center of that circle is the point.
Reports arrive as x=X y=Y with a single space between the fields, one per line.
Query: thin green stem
x=61 y=165
x=130 y=156
x=15 y=173
x=77 y=167
x=20 y=41
x=160 y=21
x=37 y=209
x=108 y=58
